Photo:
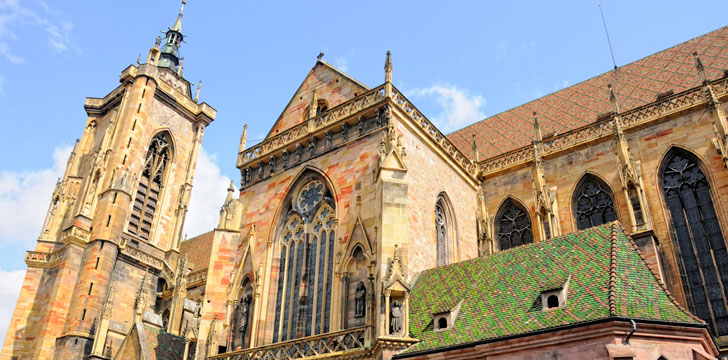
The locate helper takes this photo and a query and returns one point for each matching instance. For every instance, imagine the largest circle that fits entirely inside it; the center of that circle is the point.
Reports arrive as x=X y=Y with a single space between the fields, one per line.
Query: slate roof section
x=640 y=83
x=198 y=250
x=501 y=293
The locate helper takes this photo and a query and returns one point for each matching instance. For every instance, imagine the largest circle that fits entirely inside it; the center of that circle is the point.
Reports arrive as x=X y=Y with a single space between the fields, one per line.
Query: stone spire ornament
x=197 y=95
x=629 y=172
x=388 y=75
x=545 y=201
x=241 y=148
x=720 y=123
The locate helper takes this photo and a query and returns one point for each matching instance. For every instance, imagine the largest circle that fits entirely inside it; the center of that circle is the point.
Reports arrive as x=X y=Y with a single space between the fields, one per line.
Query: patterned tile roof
x=501 y=293
x=640 y=83
x=163 y=346
x=198 y=250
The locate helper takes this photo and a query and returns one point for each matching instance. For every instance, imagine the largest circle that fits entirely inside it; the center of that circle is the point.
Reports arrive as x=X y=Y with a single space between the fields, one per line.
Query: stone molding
x=605 y=128
x=46 y=260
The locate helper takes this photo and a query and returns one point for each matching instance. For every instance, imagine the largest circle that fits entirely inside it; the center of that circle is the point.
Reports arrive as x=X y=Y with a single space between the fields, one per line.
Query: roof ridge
x=612 y=271
x=659 y=281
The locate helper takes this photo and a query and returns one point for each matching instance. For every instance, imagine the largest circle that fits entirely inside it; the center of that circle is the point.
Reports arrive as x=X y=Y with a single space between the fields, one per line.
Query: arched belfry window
x=513 y=225
x=694 y=226
x=307 y=238
x=593 y=203
x=150 y=185
x=443 y=229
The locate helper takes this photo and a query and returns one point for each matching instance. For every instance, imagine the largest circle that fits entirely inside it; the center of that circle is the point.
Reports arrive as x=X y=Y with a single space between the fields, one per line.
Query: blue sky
x=458 y=61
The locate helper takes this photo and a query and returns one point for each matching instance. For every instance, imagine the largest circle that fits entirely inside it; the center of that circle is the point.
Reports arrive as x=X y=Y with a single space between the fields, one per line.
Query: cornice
x=603 y=129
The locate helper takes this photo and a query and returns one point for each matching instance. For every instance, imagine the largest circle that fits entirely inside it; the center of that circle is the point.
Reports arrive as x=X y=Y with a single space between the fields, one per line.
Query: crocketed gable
x=608 y=278
x=640 y=83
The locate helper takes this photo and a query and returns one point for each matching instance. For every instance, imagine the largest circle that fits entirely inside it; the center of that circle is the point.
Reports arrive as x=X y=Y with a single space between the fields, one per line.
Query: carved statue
x=361 y=292
x=243 y=315
x=395 y=322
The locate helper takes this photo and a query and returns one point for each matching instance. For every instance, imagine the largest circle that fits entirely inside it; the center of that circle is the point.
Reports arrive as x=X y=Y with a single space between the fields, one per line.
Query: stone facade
x=370 y=191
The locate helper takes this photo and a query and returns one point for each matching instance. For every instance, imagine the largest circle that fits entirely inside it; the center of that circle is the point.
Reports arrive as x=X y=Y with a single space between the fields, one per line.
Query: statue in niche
x=243 y=315
x=359 y=302
x=395 y=322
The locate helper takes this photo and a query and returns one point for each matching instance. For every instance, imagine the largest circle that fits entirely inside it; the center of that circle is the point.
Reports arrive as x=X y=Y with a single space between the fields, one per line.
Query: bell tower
x=115 y=218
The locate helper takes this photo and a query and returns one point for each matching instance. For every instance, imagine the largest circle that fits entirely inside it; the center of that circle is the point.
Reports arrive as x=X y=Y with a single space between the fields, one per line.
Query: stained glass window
x=703 y=259
x=513 y=225
x=593 y=203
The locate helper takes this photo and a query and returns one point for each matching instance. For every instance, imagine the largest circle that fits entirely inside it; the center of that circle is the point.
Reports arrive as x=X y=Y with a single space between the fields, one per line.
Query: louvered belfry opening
x=701 y=250
x=593 y=203
x=513 y=225
x=150 y=185
x=305 y=278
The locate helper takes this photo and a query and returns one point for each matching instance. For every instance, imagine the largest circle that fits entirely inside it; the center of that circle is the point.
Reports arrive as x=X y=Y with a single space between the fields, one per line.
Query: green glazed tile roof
x=501 y=293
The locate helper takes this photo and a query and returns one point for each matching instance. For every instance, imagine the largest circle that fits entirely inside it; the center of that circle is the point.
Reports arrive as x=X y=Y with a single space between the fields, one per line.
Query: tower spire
x=173 y=38
x=178 y=23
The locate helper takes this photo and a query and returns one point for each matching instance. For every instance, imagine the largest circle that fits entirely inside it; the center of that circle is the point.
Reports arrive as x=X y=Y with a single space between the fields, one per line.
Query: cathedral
x=590 y=223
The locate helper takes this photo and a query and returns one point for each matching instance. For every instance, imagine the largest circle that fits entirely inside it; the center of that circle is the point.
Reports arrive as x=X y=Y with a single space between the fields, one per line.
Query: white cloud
x=5 y=51
x=501 y=51
x=57 y=29
x=208 y=194
x=340 y=64
x=9 y=290
x=25 y=197
x=459 y=108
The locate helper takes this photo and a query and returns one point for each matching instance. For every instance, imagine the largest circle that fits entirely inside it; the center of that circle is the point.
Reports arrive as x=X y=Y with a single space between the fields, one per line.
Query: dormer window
x=552 y=302
x=445 y=320
x=554 y=297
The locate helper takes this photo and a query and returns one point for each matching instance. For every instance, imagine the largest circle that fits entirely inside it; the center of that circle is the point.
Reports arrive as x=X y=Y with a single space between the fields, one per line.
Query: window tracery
x=593 y=203
x=513 y=225
x=441 y=232
x=303 y=304
x=150 y=185
x=702 y=255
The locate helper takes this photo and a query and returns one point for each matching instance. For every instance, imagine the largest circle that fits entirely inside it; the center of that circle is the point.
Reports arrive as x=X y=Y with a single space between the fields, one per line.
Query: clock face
x=309 y=196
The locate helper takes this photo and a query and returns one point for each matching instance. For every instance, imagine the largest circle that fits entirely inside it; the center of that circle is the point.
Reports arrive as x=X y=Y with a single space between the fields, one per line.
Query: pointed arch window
x=593 y=203
x=513 y=225
x=303 y=300
x=702 y=255
x=443 y=228
x=150 y=185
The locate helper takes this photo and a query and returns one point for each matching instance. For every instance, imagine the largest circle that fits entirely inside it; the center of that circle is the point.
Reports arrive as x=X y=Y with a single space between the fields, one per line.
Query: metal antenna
x=608 y=41
x=616 y=72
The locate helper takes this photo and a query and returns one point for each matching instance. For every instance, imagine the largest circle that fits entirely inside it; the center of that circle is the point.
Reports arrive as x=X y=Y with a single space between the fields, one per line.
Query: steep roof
x=500 y=293
x=198 y=250
x=640 y=83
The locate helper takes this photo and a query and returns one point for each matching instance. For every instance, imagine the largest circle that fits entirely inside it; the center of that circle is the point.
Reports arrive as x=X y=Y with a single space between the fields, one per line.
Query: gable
x=332 y=87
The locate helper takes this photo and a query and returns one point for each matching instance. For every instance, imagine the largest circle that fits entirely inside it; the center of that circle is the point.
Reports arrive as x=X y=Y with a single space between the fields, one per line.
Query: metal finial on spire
x=700 y=67
x=320 y=56
x=178 y=23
